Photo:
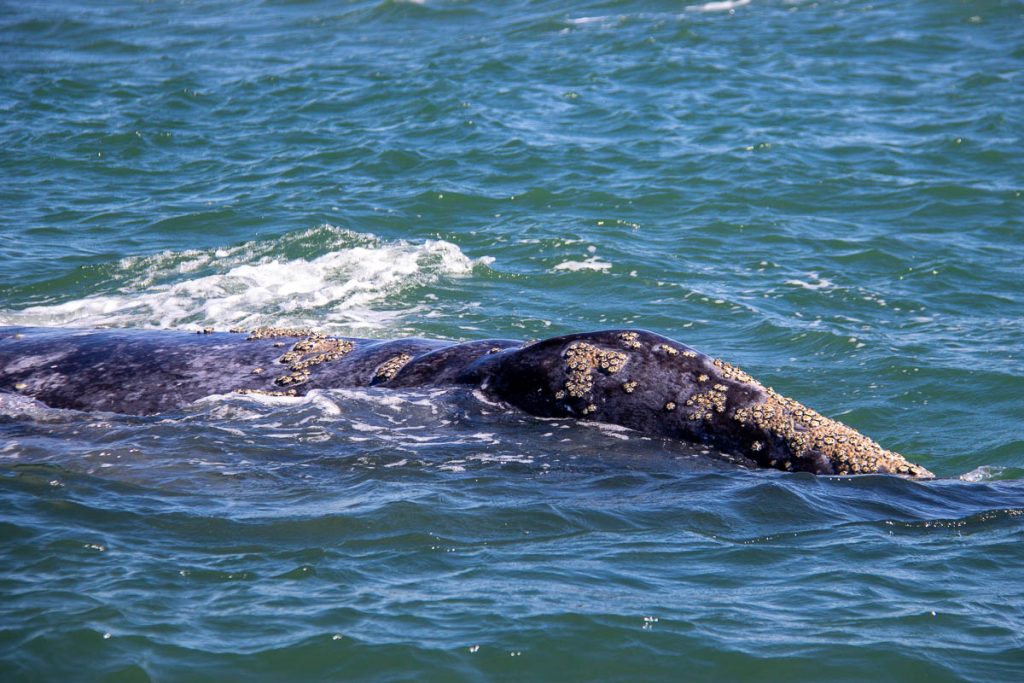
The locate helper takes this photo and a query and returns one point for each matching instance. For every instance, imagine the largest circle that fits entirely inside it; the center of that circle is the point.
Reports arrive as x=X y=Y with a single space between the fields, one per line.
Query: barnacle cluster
x=310 y=352
x=631 y=340
x=670 y=350
x=732 y=372
x=273 y=332
x=313 y=349
x=581 y=358
x=706 y=403
x=629 y=387
x=804 y=430
x=391 y=366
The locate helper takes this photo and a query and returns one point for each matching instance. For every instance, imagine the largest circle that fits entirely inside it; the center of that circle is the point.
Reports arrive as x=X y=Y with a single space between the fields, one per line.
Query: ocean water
x=828 y=194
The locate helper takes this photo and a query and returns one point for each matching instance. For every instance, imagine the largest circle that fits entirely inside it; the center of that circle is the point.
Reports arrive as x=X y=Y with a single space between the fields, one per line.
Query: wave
x=340 y=284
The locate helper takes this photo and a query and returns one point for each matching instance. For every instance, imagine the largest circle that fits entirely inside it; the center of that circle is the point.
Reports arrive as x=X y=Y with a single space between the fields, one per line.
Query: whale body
x=632 y=378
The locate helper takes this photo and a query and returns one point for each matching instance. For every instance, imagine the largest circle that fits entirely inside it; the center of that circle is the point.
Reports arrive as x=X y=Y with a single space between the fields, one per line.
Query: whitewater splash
x=256 y=283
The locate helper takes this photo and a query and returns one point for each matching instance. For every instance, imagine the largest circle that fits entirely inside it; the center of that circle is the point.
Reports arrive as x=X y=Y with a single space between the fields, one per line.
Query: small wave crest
x=721 y=6
x=339 y=284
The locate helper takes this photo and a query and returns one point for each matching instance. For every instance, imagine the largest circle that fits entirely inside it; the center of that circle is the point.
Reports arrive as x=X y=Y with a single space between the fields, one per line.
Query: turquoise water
x=828 y=194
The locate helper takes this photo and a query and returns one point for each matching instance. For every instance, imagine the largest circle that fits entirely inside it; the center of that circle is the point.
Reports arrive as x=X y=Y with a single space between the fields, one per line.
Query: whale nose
x=921 y=473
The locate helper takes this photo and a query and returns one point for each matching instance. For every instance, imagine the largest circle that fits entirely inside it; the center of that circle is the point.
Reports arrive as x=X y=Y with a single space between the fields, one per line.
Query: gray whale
x=632 y=378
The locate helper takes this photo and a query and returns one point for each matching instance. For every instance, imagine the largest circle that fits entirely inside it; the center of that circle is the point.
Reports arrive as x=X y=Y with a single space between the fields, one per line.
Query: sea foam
x=256 y=283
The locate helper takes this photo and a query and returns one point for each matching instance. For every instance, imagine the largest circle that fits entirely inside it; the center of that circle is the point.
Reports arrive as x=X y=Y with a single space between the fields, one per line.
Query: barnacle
x=581 y=359
x=804 y=431
x=391 y=366
x=631 y=340
x=313 y=349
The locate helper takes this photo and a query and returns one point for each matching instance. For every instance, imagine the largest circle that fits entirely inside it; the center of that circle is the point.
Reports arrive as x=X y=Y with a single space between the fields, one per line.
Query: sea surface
x=827 y=194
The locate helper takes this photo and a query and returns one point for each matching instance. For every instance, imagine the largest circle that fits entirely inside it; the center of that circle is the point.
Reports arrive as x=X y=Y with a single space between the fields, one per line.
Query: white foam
x=983 y=473
x=16 y=405
x=583 y=21
x=815 y=282
x=592 y=263
x=722 y=6
x=253 y=284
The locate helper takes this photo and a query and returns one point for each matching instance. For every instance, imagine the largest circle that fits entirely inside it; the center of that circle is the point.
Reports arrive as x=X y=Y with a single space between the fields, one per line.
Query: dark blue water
x=828 y=194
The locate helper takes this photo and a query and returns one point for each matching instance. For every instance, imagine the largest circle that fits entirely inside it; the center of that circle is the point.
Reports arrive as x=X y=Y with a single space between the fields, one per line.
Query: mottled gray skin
x=145 y=372
x=142 y=372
